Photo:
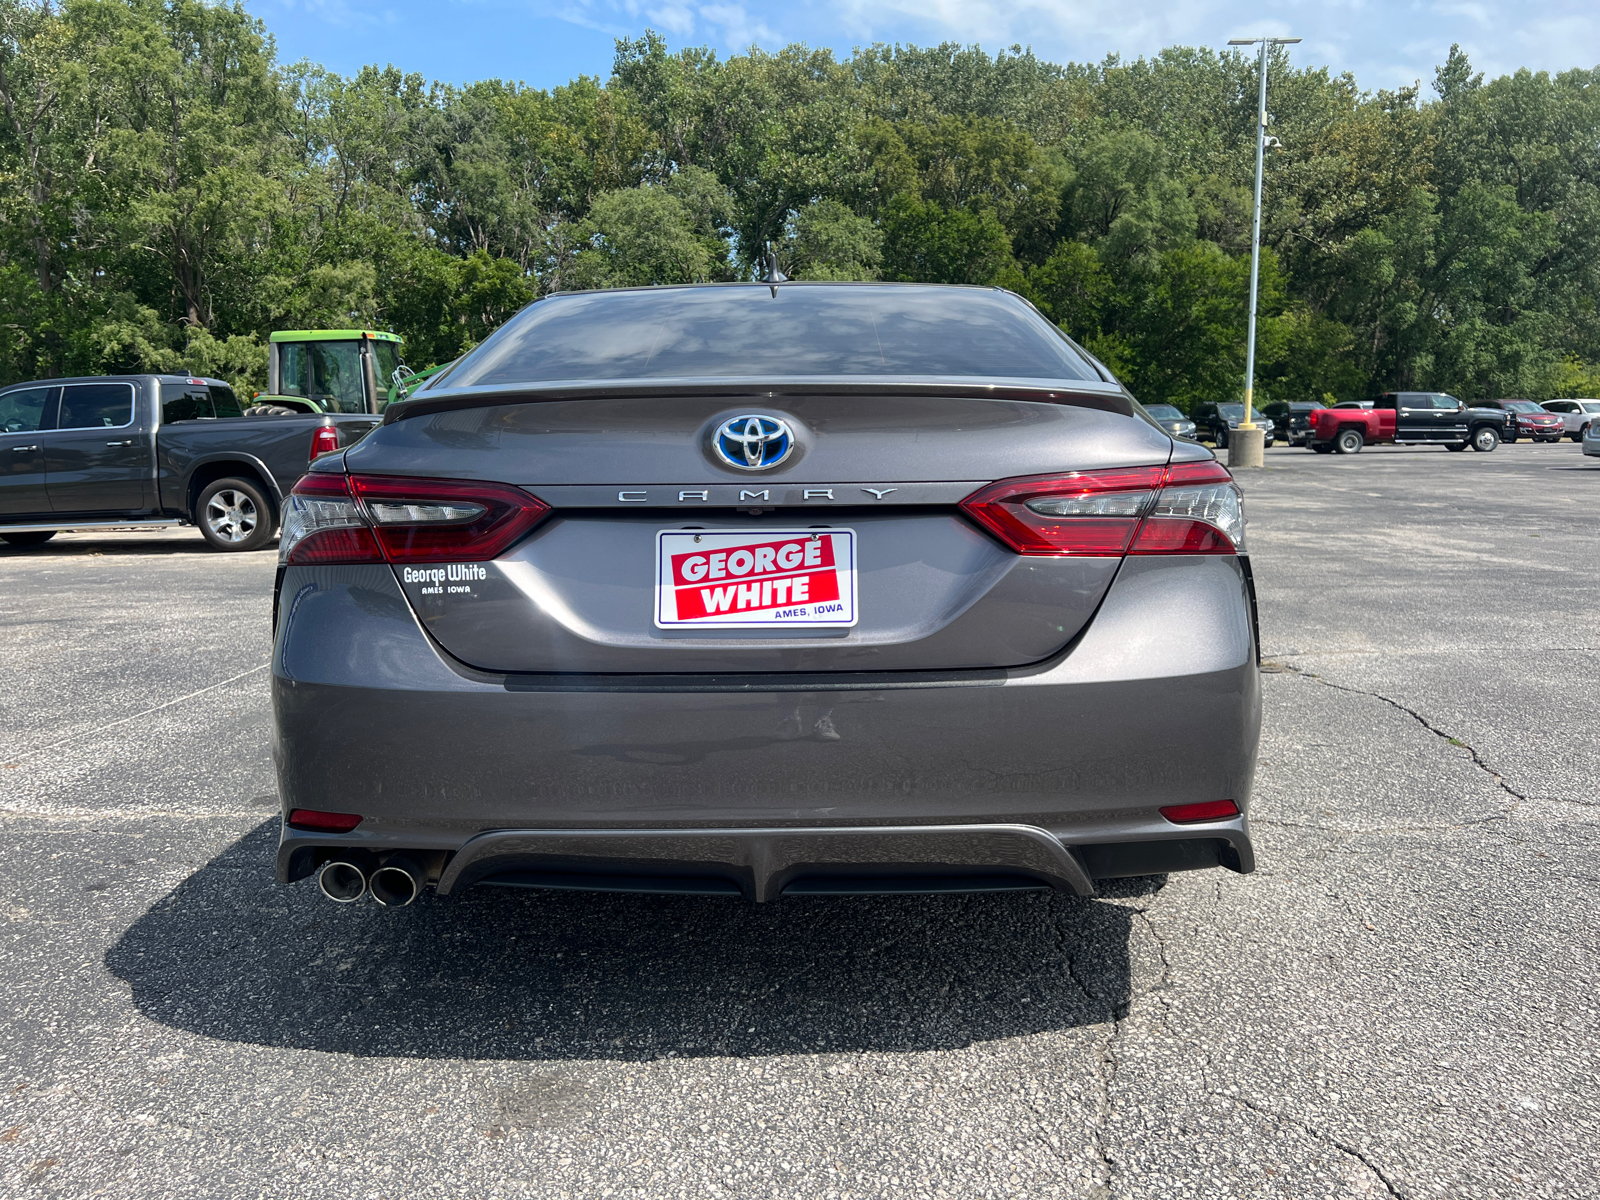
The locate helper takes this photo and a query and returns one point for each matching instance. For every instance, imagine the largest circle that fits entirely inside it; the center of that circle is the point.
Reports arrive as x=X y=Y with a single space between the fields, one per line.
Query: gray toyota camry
x=765 y=590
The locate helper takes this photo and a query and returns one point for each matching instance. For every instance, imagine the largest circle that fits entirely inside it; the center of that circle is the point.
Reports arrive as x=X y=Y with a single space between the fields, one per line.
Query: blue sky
x=546 y=42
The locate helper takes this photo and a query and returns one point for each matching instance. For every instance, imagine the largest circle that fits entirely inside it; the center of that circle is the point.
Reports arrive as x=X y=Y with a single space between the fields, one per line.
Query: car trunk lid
x=634 y=479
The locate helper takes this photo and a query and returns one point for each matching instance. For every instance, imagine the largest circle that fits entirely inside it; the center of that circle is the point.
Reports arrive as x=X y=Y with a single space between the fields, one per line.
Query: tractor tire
x=270 y=410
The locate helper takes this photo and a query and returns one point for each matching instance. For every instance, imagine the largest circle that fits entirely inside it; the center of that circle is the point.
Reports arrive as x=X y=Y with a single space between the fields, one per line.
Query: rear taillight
x=445 y=520
x=324 y=441
x=385 y=518
x=1087 y=512
x=321 y=524
x=1199 y=511
x=1191 y=508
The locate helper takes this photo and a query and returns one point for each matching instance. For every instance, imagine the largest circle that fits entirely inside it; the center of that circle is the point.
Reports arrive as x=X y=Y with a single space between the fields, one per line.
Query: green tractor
x=334 y=371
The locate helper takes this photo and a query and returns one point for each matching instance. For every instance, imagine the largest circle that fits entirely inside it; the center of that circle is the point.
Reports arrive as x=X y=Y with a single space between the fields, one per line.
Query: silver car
x=1576 y=415
x=765 y=590
x=1172 y=420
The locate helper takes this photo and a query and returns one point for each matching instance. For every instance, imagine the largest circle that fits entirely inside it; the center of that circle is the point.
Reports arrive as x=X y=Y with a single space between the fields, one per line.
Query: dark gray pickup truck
x=138 y=451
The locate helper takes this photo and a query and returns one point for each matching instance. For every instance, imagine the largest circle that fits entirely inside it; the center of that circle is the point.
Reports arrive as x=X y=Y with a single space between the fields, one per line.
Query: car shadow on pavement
x=133 y=547
x=500 y=973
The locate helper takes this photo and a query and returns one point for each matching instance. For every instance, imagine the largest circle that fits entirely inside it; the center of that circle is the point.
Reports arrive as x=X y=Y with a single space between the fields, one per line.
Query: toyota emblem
x=753 y=443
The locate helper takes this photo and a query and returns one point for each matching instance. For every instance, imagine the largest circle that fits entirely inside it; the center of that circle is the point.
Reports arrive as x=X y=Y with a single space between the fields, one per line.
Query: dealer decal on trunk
x=745 y=581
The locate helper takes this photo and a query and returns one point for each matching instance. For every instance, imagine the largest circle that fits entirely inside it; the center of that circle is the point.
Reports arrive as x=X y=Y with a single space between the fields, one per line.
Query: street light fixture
x=1255 y=242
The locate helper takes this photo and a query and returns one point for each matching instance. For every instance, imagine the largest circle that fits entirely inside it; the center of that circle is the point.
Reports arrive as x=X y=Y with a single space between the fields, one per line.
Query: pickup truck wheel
x=1485 y=439
x=233 y=515
x=270 y=410
x=34 y=537
x=1349 y=441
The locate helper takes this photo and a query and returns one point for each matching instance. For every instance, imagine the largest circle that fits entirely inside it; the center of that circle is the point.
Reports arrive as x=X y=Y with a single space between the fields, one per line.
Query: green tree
x=828 y=241
x=924 y=242
x=641 y=236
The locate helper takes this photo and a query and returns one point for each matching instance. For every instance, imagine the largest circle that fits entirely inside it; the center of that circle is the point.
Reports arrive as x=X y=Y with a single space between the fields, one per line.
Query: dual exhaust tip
x=395 y=880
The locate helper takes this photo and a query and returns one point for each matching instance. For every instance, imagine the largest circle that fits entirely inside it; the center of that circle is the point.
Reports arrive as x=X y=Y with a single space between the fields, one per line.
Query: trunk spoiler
x=1078 y=393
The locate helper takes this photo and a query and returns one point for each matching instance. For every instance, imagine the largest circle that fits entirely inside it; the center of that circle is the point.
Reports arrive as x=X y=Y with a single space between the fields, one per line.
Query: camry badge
x=753 y=443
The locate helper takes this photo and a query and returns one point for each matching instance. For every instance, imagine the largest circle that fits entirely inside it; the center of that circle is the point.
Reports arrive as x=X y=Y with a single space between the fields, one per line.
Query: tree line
x=171 y=194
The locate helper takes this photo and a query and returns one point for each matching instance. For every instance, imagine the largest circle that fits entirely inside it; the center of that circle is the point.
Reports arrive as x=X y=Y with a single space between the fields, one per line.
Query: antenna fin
x=775 y=276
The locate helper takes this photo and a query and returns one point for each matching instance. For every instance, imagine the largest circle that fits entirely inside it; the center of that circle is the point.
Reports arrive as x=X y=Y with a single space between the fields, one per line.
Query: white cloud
x=739 y=30
x=674 y=18
x=1386 y=44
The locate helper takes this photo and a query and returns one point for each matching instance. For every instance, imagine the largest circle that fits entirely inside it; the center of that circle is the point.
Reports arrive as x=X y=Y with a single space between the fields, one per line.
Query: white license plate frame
x=710 y=595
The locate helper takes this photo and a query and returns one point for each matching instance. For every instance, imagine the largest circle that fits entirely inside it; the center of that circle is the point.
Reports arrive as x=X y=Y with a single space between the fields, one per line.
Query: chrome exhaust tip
x=342 y=882
x=398 y=881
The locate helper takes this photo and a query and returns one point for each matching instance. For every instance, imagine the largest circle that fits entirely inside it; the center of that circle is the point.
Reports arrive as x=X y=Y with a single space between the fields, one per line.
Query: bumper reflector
x=1206 y=810
x=322 y=822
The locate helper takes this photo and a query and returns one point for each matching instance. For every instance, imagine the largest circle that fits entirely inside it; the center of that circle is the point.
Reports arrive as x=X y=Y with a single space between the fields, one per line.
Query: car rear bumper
x=1050 y=775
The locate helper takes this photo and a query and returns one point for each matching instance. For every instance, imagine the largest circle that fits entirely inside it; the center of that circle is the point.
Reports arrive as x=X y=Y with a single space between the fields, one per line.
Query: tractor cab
x=330 y=370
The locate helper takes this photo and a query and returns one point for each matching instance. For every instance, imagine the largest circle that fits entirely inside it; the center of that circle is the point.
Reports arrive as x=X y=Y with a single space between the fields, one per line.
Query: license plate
x=804 y=577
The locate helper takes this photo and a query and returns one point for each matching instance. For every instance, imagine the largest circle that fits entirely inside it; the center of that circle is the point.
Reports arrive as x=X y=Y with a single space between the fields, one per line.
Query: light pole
x=1251 y=444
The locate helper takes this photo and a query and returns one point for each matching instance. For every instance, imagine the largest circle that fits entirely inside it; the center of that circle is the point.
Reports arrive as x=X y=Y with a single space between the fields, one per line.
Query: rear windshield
x=833 y=330
x=1163 y=412
x=227 y=404
x=196 y=401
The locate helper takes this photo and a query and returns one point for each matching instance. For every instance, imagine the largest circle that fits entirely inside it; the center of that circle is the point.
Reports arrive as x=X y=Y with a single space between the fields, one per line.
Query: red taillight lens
x=1206 y=810
x=321 y=524
x=1199 y=511
x=1085 y=513
x=324 y=441
x=333 y=518
x=1190 y=508
x=445 y=520
x=322 y=822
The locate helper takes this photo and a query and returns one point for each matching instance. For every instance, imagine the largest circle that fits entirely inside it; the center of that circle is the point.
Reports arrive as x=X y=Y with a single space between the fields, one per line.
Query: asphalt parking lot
x=1401 y=1001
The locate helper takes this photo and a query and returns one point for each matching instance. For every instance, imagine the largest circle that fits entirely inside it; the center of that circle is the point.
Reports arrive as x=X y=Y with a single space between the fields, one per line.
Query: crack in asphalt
x=1477 y=759
x=101 y=728
x=1105 y=1075
x=1102 y=1165
x=1321 y=1136
x=1106 y=1062
x=1164 y=984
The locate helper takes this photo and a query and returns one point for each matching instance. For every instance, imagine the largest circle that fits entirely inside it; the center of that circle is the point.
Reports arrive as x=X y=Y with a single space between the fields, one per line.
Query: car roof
x=160 y=377
x=333 y=335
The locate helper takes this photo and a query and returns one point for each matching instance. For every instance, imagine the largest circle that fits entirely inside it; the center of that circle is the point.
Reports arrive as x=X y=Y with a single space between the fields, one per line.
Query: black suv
x=1291 y=419
x=1215 y=420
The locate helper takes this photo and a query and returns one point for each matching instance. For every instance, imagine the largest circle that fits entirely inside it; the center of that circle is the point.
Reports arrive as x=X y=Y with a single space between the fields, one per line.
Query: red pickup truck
x=1406 y=418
